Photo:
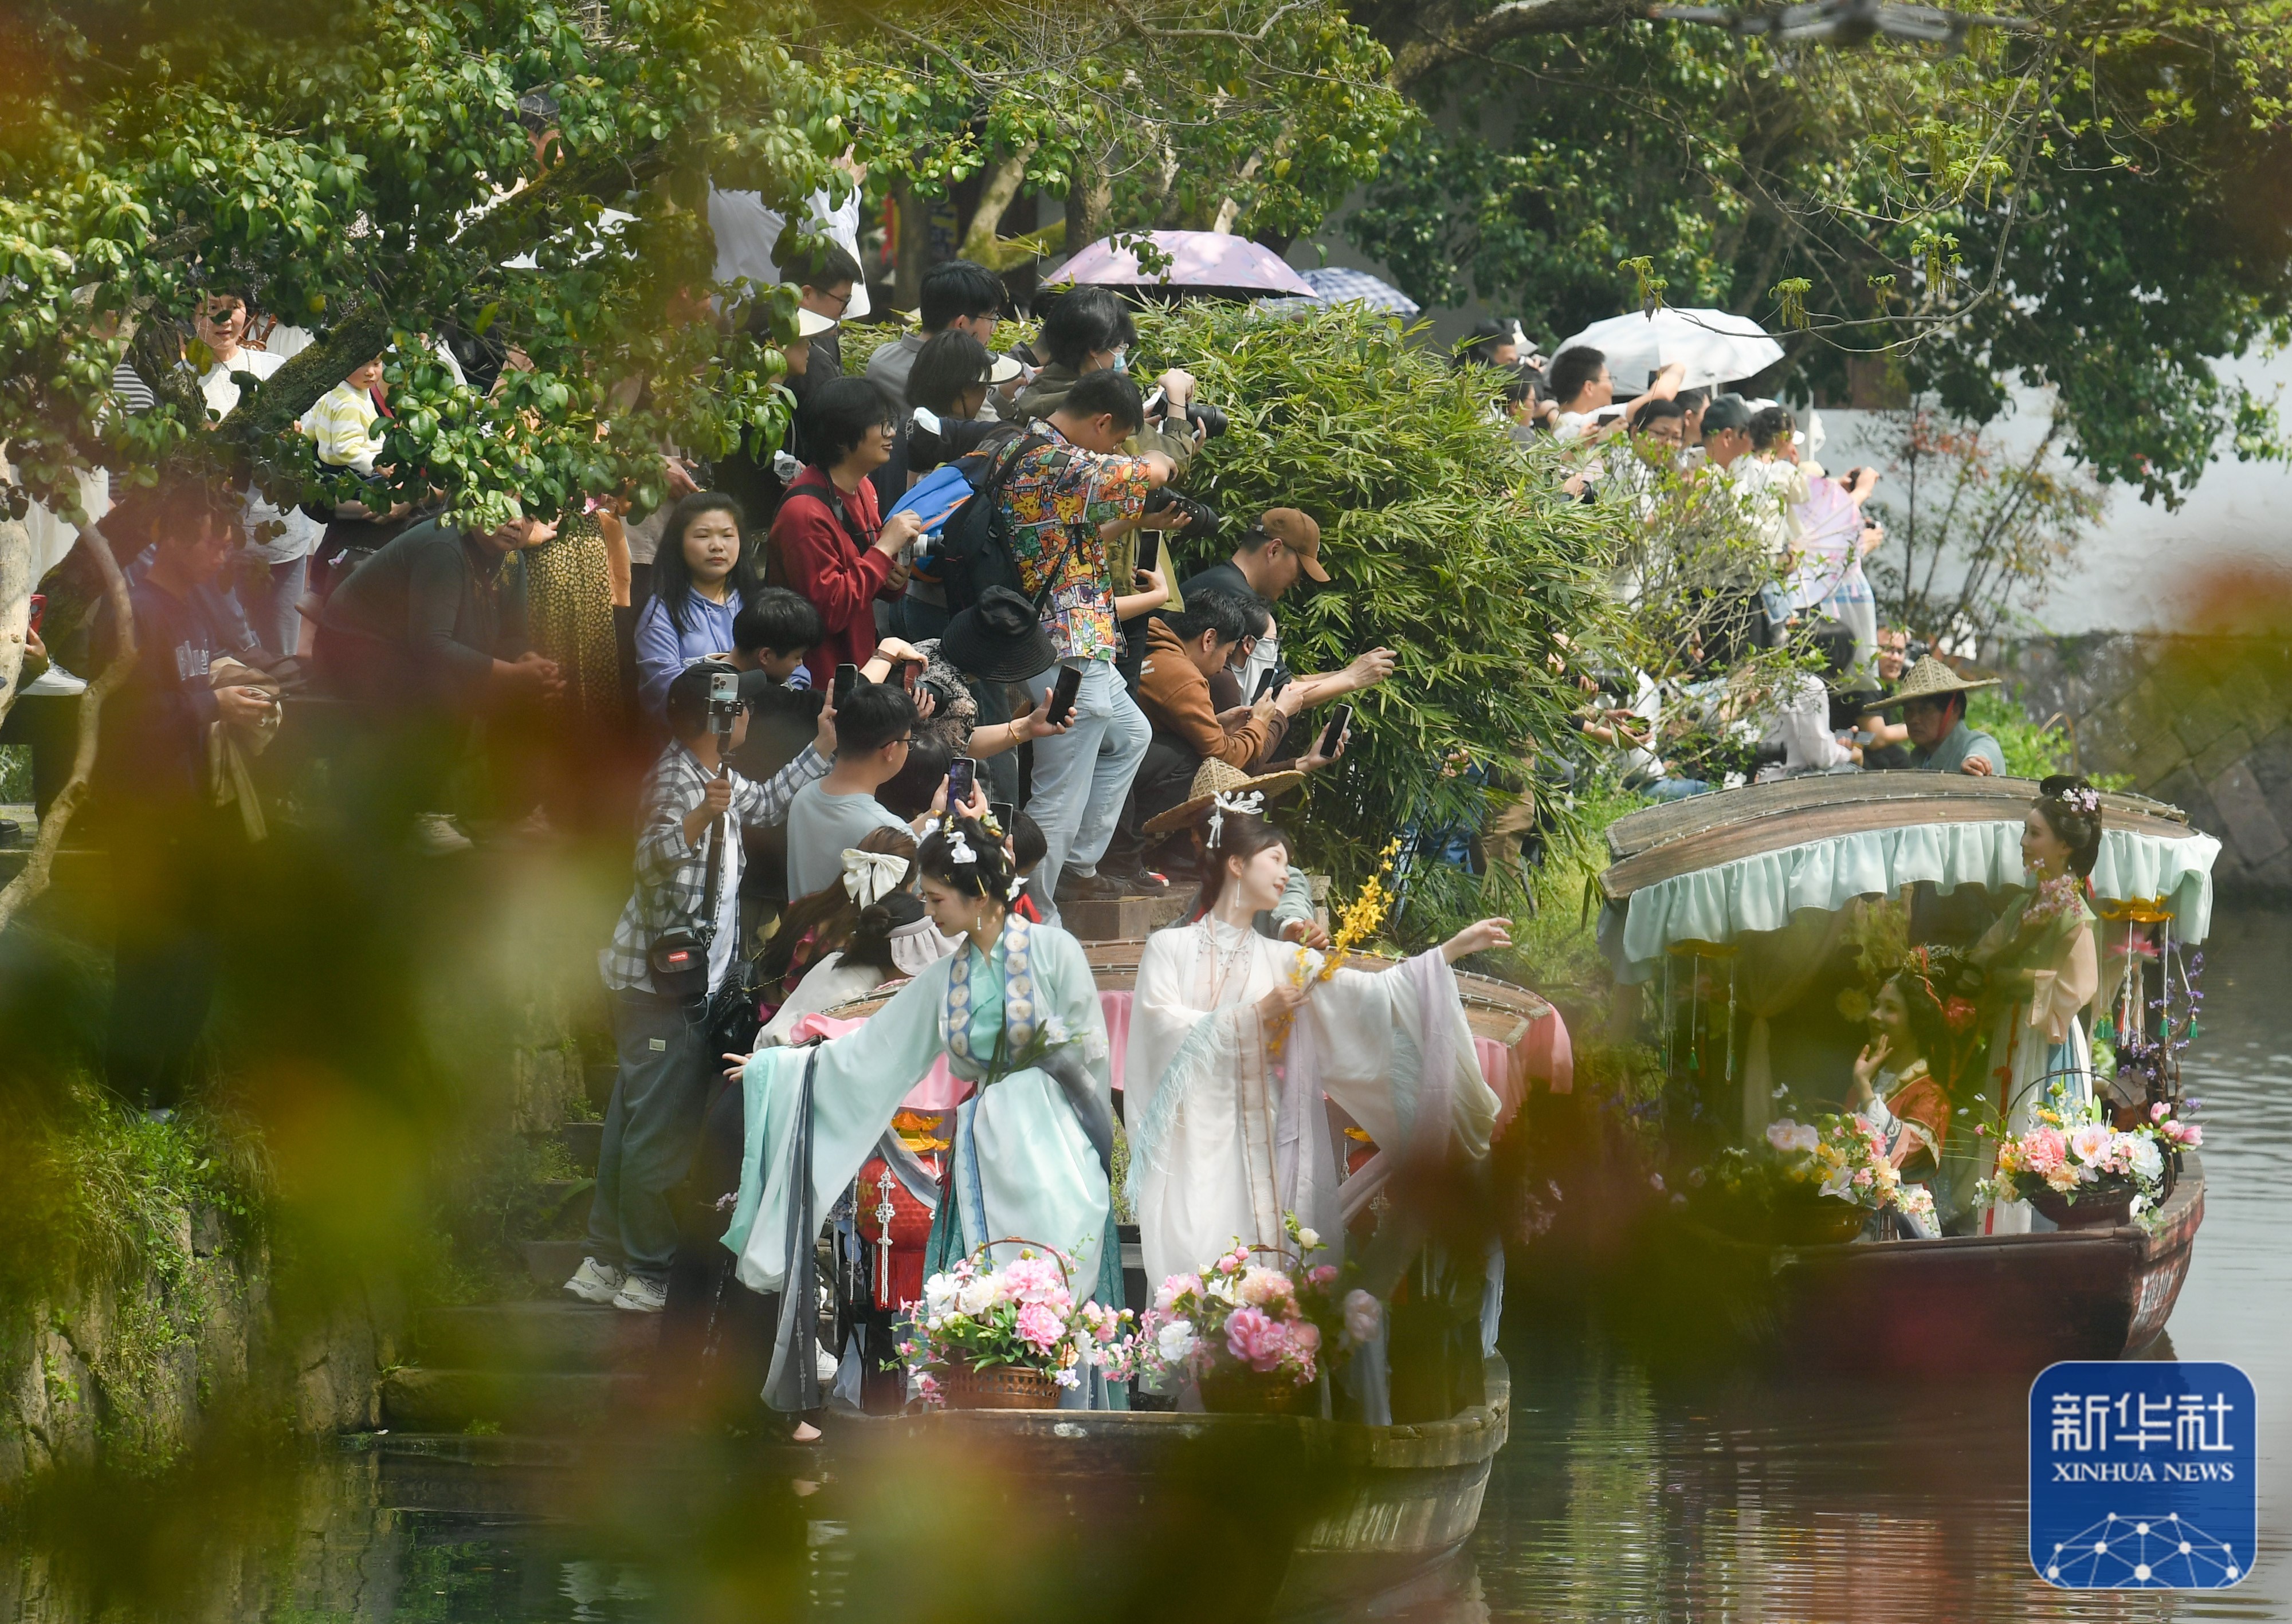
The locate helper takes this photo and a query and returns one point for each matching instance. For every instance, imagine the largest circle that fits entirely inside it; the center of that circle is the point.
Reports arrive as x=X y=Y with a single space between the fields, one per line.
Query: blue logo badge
x=2141 y=1475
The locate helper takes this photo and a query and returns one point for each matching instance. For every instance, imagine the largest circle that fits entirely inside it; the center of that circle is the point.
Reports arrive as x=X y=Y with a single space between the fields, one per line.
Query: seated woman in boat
x=2040 y=966
x=1235 y=1038
x=1895 y=1087
x=1015 y=1009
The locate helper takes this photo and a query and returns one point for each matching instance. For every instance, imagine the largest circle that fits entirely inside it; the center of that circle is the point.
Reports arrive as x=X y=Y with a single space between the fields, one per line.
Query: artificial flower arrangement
x=1248 y=1333
x=1358 y=922
x=1021 y=1318
x=2074 y=1155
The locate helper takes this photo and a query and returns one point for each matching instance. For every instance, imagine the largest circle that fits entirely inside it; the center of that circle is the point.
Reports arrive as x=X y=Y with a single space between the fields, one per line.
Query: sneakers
x=1144 y=882
x=1085 y=888
x=595 y=1281
x=435 y=835
x=638 y=1295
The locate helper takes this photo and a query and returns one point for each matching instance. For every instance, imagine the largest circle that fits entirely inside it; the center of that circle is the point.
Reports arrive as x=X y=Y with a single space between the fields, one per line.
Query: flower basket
x=1823 y=1221
x=999 y=1386
x=1238 y=1390
x=2093 y=1210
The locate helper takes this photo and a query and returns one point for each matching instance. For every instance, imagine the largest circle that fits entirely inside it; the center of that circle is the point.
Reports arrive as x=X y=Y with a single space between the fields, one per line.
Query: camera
x=1197 y=519
x=1195 y=414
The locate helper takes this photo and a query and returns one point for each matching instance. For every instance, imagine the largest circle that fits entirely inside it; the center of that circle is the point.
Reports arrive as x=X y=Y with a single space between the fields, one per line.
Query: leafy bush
x=1445 y=544
x=2032 y=749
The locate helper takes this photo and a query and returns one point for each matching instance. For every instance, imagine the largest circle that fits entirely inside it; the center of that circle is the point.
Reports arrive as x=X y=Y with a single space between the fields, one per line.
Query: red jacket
x=840 y=572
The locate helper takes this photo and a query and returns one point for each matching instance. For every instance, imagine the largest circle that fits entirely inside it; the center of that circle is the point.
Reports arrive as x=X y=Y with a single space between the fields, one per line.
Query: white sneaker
x=435 y=836
x=595 y=1281
x=638 y=1295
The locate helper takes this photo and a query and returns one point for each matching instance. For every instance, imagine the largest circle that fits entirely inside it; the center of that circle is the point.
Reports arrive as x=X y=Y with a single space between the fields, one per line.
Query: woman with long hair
x=1015 y=1011
x=702 y=577
x=825 y=921
x=2039 y=966
x=1235 y=1037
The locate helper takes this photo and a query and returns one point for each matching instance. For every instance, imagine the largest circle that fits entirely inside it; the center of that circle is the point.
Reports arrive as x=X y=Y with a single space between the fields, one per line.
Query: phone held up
x=962 y=774
x=847 y=678
x=1334 y=734
x=1062 y=698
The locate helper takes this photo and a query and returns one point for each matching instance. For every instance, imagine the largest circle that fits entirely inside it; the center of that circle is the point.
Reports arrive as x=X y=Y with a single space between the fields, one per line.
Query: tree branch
x=1424 y=40
x=33 y=879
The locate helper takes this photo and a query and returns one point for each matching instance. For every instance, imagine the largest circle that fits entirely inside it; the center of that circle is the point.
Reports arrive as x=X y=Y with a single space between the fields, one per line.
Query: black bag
x=680 y=958
x=974 y=549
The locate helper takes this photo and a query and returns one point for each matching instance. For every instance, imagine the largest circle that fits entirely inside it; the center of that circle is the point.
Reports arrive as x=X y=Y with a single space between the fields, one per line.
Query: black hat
x=688 y=691
x=999 y=639
x=1726 y=412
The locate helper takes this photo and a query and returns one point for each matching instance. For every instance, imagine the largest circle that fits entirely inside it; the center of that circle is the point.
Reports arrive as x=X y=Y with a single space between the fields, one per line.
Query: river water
x=1620 y=1497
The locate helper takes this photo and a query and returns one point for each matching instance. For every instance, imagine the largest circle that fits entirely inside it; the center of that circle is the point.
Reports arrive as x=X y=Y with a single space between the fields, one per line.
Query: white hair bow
x=870 y=876
x=1225 y=801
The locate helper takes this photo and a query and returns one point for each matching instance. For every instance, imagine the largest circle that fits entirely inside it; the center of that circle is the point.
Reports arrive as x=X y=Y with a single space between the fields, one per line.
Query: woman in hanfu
x=1015 y=1009
x=1897 y=1091
x=2042 y=964
x=1235 y=1039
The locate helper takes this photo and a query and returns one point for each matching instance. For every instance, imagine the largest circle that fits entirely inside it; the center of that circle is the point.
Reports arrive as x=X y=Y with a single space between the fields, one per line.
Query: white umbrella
x=1716 y=346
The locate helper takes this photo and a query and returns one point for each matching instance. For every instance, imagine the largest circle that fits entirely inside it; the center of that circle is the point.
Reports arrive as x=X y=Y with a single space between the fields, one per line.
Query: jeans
x=1082 y=776
x=651 y=1128
x=270 y=592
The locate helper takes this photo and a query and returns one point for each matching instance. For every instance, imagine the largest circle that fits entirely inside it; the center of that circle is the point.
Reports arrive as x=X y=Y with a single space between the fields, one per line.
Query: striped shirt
x=343 y=423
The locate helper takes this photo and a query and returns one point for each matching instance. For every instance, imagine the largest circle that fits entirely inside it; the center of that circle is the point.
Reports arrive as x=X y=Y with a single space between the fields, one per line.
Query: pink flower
x=1040 y=1326
x=1175 y=1287
x=1862 y=1179
x=2159 y=1111
x=2091 y=1143
x=2043 y=1150
x=1036 y=1280
x=1321 y=1275
x=2186 y=1133
x=1264 y=1287
x=1254 y=1339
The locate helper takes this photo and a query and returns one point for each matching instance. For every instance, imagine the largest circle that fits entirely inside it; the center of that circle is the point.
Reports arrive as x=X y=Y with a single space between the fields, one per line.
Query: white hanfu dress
x=2039 y=1040
x=1016 y=1021
x=1227 y=1133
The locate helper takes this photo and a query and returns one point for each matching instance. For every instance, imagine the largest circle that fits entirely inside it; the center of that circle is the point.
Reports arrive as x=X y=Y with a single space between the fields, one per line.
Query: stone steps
x=425 y=1399
x=553 y=1335
x=552 y=1263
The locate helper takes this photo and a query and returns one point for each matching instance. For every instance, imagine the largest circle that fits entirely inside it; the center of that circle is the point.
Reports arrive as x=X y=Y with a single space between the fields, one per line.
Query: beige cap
x=1299 y=533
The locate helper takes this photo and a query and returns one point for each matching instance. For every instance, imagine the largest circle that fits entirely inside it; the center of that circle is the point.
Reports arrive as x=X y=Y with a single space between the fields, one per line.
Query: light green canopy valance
x=1762 y=892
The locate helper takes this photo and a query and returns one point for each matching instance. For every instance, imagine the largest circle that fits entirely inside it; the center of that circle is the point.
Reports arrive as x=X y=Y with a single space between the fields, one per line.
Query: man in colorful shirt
x=1066 y=500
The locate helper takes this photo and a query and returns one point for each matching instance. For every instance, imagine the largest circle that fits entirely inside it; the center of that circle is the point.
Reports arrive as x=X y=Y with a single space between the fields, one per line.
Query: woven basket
x=2094 y=1211
x=1242 y=1391
x=1001 y=1387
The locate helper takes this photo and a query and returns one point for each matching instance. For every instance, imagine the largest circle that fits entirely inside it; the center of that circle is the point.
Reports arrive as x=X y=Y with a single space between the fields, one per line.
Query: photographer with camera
x=1282 y=545
x=1090 y=330
x=670 y=970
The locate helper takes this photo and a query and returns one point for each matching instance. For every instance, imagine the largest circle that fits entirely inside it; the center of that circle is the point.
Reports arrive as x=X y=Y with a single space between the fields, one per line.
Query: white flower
x=2090 y=1142
x=1174 y=1341
x=1068 y=1378
x=1226 y=1288
x=978 y=1296
x=1788 y=1136
x=2148 y=1162
x=1307 y=1240
x=940 y=1293
x=1363 y=1314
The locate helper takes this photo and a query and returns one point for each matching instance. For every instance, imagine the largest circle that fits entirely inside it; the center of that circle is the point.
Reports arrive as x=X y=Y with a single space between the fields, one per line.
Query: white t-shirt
x=300 y=532
x=745 y=230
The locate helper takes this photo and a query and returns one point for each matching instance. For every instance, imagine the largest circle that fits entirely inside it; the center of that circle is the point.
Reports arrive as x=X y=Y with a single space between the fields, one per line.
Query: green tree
x=2091 y=206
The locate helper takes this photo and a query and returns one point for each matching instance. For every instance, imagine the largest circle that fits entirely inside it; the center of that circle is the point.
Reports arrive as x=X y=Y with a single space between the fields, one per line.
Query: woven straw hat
x=1929 y=679
x=1216 y=778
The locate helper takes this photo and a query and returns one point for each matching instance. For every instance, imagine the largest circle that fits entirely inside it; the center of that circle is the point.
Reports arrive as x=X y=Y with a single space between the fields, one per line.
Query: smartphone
x=1005 y=816
x=962 y=774
x=39 y=608
x=1062 y=697
x=847 y=678
x=1264 y=684
x=1335 y=731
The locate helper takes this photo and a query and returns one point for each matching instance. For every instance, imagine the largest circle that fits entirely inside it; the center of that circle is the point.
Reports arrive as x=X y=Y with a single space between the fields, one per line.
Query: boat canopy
x=1712 y=867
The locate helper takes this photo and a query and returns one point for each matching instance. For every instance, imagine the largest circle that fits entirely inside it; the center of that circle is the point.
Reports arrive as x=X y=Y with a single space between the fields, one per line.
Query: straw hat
x=1216 y=778
x=1930 y=679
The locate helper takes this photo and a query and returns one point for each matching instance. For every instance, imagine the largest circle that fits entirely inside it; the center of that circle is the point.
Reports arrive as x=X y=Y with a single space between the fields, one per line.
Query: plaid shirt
x=672 y=880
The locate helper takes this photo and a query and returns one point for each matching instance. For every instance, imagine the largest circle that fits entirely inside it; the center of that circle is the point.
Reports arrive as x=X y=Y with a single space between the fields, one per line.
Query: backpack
x=974 y=549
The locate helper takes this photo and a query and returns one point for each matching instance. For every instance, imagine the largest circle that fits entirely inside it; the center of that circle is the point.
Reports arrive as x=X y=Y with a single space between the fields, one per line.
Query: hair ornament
x=1225 y=802
x=870 y=876
x=1018 y=884
x=958 y=850
x=2083 y=798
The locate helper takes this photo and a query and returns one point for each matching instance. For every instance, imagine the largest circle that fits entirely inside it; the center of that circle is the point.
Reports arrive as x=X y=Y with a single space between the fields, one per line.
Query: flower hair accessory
x=870 y=876
x=2083 y=799
x=958 y=850
x=1225 y=802
x=1018 y=884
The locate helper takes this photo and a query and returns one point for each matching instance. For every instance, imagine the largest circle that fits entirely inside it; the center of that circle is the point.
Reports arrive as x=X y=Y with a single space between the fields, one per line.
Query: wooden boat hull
x=2005 y=1303
x=1332 y=1512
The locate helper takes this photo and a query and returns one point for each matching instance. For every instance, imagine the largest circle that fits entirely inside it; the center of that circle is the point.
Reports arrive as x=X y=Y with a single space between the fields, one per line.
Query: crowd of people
x=887 y=734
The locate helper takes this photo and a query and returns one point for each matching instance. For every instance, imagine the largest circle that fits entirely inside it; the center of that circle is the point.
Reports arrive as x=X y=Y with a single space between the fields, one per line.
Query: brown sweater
x=1176 y=696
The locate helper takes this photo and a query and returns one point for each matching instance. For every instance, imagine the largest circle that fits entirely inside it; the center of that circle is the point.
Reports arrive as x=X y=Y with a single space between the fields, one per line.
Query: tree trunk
x=15 y=597
x=910 y=247
x=1090 y=203
x=994 y=198
x=33 y=879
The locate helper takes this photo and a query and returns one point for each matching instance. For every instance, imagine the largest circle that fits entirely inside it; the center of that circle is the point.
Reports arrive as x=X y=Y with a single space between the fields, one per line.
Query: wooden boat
x=1938 y=1306
x=1332 y=1511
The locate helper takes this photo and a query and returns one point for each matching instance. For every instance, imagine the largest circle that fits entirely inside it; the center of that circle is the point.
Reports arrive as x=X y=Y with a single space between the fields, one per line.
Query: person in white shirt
x=1800 y=719
x=278 y=539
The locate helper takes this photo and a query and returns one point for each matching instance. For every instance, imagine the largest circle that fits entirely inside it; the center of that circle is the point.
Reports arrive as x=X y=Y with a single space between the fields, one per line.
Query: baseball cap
x=1726 y=412
x=1299 y=533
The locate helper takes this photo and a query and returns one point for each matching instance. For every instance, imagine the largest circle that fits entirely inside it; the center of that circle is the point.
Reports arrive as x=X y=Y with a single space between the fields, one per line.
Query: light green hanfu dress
x=1022 y=1023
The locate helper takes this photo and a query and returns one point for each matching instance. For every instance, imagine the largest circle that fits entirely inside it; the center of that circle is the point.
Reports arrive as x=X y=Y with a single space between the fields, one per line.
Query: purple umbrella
x=1199 y=259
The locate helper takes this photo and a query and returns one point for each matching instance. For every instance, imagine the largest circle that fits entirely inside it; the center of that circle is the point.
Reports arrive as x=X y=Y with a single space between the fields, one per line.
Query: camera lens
x=1210 y=418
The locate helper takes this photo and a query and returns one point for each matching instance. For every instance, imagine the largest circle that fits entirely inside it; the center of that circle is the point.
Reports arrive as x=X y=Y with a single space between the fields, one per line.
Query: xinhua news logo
x=2141 y=1475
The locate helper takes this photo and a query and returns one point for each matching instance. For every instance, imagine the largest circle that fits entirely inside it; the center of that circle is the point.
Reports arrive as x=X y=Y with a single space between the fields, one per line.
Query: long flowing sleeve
x=861 y=1079
x=1394 y=1050
x=2065 y=982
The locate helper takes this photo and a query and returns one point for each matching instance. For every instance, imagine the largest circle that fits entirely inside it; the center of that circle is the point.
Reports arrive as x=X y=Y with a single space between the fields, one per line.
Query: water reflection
x=1620 y=1497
